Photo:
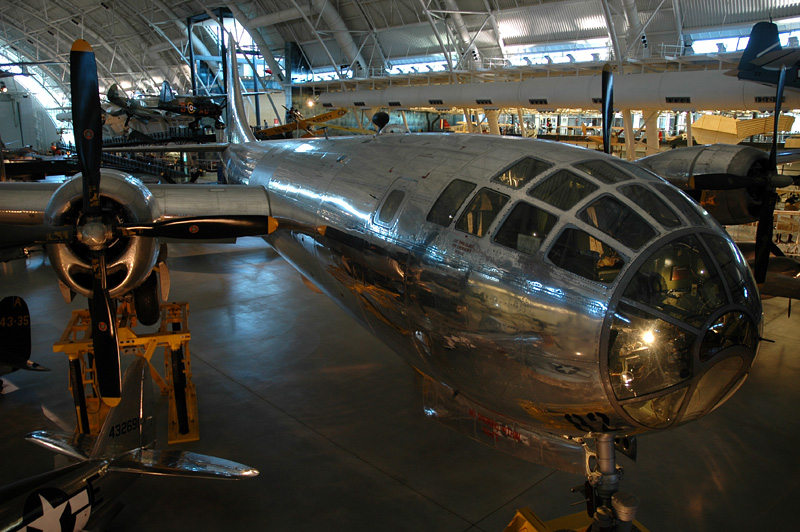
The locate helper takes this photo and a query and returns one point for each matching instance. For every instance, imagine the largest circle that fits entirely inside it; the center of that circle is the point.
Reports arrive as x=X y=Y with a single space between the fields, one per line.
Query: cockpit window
x=580 y=253
x=481 y=211
x=736 y=272
x=618 y=221
x=683 y=204
x=525 y=228
x=449 y=202
x=647 y=354
x=651 y=204
x=680 y=280
x=563 y=189
x=520 y=173
x=603 y=171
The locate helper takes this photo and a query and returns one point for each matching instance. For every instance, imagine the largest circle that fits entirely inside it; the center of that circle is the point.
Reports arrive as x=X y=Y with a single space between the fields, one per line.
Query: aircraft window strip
x=644 y=212
x=607 y=221
x=454 y=215
x=595 y=235
x=485 y=213
x=529 y=164
x=603 y=171
x=559 y=195
x=526 y=243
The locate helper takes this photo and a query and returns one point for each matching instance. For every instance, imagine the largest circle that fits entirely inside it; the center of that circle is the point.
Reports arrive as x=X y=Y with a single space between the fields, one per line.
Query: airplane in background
x=130 y=106
x=551 y=296
x=15 y=337
x=763 y=58
x=299 y=123
x=82 y=494
x=197 y=107
x=21 y=65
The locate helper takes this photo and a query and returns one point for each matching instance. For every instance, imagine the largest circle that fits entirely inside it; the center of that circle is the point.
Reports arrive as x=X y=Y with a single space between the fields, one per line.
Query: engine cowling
x=129 y=260
x=729 y=207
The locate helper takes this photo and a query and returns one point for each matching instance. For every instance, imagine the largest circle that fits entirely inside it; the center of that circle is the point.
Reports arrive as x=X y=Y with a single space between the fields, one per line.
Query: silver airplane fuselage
x=563 y=289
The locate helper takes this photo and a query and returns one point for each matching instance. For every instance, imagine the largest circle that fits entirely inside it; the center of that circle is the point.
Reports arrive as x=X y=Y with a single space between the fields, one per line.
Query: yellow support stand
x=527 y=521
x=173 y=335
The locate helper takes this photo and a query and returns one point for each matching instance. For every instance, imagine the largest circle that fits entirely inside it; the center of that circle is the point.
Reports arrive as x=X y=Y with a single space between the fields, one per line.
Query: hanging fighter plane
x=79 y=496
x=130 y=106
x=550 y=295
x=197 y=107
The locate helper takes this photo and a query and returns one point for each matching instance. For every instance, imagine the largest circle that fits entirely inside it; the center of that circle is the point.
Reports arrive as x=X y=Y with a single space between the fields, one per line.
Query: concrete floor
x=291 y=385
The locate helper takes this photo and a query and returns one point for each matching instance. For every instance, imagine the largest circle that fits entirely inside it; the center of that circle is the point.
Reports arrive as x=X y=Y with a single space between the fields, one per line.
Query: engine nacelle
x=729 y=207
x=129 y=260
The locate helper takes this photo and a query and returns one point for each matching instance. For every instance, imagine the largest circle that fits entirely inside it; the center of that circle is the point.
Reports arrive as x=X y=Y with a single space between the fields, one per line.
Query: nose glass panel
x=647 y=354
x=681 y=281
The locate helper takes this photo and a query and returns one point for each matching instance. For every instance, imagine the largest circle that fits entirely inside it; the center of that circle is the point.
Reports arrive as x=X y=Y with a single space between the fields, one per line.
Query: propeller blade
x=608 y=106
x=23 y=235
x=773 y=154
x=87 y=121
x=104 y=336
x=770 y=197
x=720 y=181
x=204 y=228
x=764 y=236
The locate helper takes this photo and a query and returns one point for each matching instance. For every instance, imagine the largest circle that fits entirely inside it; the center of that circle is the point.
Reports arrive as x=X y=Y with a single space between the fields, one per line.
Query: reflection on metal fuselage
x=564 y=314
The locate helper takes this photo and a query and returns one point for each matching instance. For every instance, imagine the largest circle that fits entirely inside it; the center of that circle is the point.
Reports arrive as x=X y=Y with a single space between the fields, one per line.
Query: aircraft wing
x=780 y=285
x=788 y=156
x=164 y=148
x=24 y=204
x=324 y=117
x=774 y=60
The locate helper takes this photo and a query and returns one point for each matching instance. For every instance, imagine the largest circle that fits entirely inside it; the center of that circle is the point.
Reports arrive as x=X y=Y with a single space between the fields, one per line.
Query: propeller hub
x=94 y=234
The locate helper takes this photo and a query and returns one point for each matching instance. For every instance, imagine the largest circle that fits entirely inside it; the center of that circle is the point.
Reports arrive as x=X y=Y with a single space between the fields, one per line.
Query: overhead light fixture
x=3 y=87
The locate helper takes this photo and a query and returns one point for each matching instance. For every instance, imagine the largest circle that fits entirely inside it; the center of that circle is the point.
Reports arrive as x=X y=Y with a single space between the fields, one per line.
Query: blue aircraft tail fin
x=165 y=95
x=763 y=38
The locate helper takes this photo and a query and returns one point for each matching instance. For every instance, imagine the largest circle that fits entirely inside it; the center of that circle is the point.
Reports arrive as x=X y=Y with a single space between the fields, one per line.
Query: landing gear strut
x=608 y=509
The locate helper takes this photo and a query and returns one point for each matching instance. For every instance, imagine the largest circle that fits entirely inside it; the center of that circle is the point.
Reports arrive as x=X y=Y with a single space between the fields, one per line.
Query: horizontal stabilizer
x=181 y=464
x=77 y=446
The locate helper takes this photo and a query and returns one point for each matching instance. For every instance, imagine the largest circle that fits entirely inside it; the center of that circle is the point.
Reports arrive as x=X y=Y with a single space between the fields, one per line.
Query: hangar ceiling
x=141 y=42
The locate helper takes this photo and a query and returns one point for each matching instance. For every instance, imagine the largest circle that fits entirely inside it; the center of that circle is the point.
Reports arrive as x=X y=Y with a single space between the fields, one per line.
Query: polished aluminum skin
x=567 y=290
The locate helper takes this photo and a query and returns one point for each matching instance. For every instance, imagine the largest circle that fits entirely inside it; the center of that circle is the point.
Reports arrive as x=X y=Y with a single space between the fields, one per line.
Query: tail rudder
x=238 y=129
x=114 y=93
x=129 y=425
x=165 y=95
x=763 y=38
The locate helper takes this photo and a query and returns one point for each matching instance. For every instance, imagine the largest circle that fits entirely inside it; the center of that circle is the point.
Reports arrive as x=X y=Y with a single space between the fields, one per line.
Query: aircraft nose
x=682 y=331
